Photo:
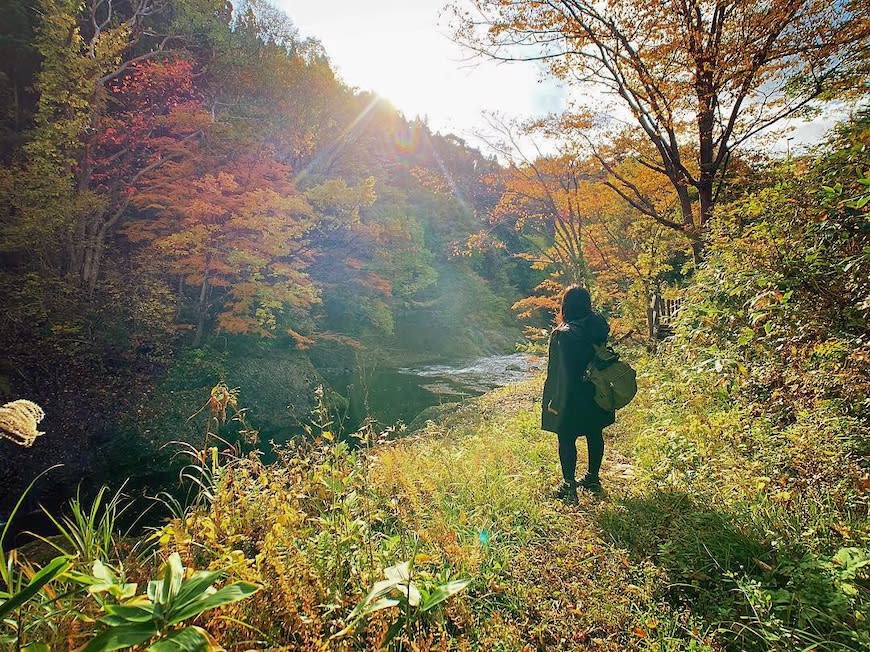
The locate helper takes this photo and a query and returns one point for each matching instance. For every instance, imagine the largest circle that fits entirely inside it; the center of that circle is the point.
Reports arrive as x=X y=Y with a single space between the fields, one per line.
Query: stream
x=401 y=394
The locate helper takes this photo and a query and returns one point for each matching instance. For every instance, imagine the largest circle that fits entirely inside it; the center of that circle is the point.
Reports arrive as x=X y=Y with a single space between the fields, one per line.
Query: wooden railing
x=669 y=309
x=660 y=316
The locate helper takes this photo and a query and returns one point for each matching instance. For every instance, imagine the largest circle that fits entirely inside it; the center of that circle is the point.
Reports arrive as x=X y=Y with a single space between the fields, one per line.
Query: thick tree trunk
x=689 y=228
x=706 y=204
x=706 y=161
x=705 y=200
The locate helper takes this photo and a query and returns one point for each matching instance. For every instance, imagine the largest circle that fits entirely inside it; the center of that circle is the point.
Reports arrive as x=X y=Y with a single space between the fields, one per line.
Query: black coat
x=568 y=405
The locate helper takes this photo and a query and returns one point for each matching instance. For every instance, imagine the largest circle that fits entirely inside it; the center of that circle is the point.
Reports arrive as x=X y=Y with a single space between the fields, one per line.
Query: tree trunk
x=706 y=161
x=705 y=199
x=697 y=249
x=179 y=299
x=93 y=259
x=202 y=309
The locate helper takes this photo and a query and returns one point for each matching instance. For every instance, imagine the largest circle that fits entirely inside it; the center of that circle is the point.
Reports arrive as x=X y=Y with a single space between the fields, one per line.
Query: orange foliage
x=581 y=231
x=699 y=78
x=241 y=229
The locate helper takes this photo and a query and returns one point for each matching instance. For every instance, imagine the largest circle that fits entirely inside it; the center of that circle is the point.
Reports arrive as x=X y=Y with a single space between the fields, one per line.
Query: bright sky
x=400 y=49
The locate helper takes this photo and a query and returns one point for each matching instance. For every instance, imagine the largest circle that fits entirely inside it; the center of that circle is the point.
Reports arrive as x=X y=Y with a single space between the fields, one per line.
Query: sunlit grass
x=691 y=547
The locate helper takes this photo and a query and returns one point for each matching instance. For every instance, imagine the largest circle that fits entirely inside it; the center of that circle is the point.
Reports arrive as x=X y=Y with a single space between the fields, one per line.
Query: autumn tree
x=545 y=200
x=106 y=116
x=235 y=238
x=633 y=258
x=699 y=78
x=157 y=113
x=577 y=230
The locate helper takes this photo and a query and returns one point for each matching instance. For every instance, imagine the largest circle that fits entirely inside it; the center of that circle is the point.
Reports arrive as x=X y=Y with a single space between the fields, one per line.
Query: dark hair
x=576 y=304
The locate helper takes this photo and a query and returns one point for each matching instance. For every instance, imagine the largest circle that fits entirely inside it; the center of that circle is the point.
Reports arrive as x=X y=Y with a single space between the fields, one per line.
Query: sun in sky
x=401 y=50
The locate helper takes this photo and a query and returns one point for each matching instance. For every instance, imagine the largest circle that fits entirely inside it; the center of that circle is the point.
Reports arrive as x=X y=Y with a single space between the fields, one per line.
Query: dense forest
x=189 y=192
x=210 y=244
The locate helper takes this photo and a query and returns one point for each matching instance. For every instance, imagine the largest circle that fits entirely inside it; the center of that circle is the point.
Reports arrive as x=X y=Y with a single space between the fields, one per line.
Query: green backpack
x=615 y=381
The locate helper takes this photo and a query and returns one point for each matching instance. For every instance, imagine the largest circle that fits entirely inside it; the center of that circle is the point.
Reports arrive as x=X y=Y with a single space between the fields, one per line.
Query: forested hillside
x=188 y=192
x=210 y=244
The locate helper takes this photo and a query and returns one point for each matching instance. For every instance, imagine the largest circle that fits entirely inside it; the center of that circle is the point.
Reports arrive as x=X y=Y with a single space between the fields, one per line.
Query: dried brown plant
x=18 y=421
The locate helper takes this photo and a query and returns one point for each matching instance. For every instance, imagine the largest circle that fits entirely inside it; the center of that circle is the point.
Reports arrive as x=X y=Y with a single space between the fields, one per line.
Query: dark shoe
x=565 y=492
x=589 y=483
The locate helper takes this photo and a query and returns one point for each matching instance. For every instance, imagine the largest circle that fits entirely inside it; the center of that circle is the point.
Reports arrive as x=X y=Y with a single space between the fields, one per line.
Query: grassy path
x=684 y=551
x=547 y=575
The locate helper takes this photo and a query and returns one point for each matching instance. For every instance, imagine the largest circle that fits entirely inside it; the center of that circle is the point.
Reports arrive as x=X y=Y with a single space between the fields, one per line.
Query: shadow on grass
x=695 y=545
x=754 y=597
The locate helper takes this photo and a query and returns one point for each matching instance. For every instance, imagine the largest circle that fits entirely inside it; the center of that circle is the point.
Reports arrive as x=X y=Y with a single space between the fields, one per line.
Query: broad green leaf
x=189 y=639
x=36 y=647
x=198 y=583
x=46 y=574
x=377 y=591
x=441 y=593
x=135 y=614
x=122 y=636
x=113 y=621
x=123 y=591
x=103 y=573
x=377 y=605
x=173 y=576
x=227 y=595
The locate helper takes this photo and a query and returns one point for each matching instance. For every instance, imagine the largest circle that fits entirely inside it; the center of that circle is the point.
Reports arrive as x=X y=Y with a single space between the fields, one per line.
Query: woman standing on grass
x=568 y=406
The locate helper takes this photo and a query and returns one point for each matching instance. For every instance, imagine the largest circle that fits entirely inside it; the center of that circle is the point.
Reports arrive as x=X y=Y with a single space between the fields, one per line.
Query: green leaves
x=189 y=639
x=121 y=636
x=103 y=580
x=207 y=600
x=441 y=593
x=162 y=591
x=837 y=193
x=169 y=601
x=50 y=571
x=414 y=597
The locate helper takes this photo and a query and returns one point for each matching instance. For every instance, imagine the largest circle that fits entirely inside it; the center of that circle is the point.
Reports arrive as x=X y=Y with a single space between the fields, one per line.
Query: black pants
x=568 y=454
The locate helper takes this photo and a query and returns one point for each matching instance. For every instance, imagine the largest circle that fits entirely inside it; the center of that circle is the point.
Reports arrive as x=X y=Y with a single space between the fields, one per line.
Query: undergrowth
x=701 y=541
x=762 y=529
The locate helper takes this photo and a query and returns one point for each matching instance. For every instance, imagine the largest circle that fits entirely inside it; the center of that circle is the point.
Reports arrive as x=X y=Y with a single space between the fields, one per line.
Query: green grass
x=549 y=576
x=693 y=546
